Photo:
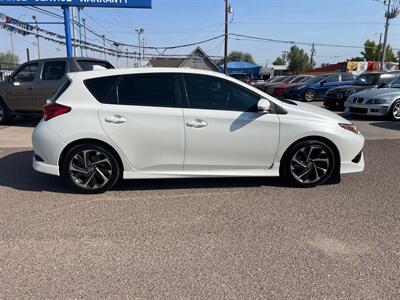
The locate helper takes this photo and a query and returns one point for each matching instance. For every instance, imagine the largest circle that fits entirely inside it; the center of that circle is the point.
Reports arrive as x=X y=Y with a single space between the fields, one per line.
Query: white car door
x=145 y=121
x=223 y=129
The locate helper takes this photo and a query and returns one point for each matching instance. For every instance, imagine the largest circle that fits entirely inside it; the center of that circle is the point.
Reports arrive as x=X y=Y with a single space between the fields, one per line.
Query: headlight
x=376 y=101
x=350 y=92
x=349 y=127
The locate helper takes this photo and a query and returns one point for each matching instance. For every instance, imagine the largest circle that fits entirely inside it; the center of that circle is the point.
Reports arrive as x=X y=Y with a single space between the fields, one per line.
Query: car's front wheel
x=90 y=168
x=395 y=111
x=308 y=163
x=4 y=113
x=310 y=95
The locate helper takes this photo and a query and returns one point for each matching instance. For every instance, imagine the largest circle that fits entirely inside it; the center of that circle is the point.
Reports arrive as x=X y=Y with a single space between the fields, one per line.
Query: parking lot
x=202 y=238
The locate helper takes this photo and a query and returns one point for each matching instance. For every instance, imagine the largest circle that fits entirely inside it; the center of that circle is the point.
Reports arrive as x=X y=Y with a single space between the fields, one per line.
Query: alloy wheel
x=310 y=164
x=309 y=95
x=90 y=169
x=396 y=111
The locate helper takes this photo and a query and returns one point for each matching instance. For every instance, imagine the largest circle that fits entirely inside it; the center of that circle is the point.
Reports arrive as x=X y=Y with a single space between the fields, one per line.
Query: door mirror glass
x=263 y=105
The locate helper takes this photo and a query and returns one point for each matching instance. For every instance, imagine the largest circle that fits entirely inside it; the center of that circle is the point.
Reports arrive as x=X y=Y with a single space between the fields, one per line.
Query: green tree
x=298 y=60
x=372 y=52
x=279 y=61
x=8 y=57
x=237 y=55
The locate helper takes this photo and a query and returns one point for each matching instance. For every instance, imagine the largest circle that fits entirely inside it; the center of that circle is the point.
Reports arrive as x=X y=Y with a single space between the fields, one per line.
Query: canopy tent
x=242 y=67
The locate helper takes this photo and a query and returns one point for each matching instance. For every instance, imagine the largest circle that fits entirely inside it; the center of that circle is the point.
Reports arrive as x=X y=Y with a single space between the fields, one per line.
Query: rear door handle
x=115 y=119
x=196 y=123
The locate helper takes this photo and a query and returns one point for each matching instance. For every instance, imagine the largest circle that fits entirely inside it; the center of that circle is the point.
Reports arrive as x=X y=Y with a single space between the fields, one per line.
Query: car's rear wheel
x=4 y=113
x=308 y=163
x=395 y=111
x=90 y=169
x=310 y=95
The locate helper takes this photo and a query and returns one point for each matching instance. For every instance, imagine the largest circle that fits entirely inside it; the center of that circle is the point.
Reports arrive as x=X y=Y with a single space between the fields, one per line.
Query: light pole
x=139 y=32
x=84 y=33
x=391 y=13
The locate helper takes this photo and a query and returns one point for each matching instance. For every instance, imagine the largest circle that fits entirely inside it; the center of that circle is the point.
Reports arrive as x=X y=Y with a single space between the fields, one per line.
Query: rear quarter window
x=103 y=88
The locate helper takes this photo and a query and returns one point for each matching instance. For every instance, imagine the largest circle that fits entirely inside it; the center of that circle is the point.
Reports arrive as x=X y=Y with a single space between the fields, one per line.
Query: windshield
x=289 y=79
x=300 y=79
x=276 y=79
x=367 y=79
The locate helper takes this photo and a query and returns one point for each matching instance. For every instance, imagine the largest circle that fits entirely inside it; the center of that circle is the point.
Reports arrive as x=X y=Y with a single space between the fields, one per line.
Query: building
x=198 y=59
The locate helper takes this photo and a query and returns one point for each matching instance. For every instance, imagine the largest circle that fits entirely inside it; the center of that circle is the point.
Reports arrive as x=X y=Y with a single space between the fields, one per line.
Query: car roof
x=66 y=58
x=127 y=71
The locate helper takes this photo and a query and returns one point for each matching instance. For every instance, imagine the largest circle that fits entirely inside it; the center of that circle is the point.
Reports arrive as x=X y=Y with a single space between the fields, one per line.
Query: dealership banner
x=84 y=3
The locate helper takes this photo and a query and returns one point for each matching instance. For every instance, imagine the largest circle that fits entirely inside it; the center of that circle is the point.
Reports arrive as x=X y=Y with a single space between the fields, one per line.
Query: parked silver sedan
x=376 y=102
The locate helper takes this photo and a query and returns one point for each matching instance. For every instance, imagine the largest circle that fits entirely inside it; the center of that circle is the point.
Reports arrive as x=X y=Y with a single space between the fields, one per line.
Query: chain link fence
x=6 y=69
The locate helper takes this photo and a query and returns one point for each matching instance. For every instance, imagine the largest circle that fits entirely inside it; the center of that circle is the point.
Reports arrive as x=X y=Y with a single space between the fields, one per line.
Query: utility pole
x=380 y=47
x=226 y=38
x=37 y=35
x=80 y=29
x=117 y=46
x=127 y=61
x=312 y=56
x=12 y=46
x=84 y=33
x=73 y=30
x=139 y=32
x=27 y=55
x=104 y=46
x=386 y=35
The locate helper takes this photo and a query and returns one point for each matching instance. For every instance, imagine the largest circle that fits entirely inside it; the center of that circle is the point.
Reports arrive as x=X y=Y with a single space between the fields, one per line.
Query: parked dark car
x=335 y=98
x=26 y=90
x=273 y=81
x=242 y=77
x=316 y=87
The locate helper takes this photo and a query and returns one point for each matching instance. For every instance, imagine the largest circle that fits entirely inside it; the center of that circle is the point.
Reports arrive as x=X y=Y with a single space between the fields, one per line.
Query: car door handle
x=196 y=123
x=115 y=119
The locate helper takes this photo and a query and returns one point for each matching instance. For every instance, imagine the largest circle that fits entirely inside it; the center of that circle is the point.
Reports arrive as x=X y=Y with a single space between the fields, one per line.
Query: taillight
x=53 y=110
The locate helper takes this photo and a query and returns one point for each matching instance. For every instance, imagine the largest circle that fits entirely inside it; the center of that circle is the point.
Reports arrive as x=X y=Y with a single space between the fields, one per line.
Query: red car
x=279 y=89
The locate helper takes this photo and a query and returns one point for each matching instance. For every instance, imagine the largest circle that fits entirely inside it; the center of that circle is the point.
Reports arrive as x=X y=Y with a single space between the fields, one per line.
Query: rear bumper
x=45 y=168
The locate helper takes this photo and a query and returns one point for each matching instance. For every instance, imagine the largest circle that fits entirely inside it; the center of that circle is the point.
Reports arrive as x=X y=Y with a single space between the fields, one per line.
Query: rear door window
x=53 y=70
x=147 y=90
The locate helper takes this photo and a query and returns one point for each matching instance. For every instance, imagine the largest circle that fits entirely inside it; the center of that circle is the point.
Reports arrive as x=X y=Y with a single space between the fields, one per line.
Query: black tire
x=309 y=95
x=295 y=163
x=90 y=177
x=4 y=113
x=394 y=113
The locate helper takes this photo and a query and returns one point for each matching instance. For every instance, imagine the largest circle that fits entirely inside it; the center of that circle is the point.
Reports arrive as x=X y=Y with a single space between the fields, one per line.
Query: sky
x=175 y=22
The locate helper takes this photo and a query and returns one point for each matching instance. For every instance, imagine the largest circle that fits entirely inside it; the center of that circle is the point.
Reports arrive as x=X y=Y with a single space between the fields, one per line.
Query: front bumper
x=45 y=168
x=367 y=109
x=334 y=100
x=353 y=167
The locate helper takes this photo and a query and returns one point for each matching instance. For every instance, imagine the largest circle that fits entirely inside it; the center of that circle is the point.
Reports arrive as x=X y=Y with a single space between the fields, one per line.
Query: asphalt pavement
x=241 y=238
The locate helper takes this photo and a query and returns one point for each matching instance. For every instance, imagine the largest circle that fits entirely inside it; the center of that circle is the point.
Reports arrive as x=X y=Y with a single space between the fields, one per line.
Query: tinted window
x=89 y=65
x=396 y=83
x=367 y=79
x=53 y=70
x=147 y=90
x=207 y=92
x=332 y=78
x=27 y=73
x=103 y=88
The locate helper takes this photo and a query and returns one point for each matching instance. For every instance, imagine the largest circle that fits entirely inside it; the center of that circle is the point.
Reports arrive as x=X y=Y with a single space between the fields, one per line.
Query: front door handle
x=115 y=119
x=196 y=123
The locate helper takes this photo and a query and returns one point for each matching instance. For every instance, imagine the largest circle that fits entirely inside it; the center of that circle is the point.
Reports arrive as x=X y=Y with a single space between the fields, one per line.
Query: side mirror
x=263 y=106
x=383 y=85
x=322 y=82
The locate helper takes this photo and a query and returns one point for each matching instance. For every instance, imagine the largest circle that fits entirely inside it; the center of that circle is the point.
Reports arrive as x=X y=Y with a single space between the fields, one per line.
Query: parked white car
x=168 y=123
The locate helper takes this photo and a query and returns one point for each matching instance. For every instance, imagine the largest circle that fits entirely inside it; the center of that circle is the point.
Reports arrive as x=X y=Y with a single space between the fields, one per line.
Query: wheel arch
x=91 y=142
x=330 y=143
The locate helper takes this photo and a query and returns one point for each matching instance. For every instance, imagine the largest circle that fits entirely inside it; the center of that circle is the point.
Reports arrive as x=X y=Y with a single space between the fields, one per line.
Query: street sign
x=80 y=3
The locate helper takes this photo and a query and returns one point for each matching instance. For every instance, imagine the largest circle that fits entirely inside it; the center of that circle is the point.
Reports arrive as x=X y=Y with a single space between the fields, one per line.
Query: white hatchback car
x=175 y=123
